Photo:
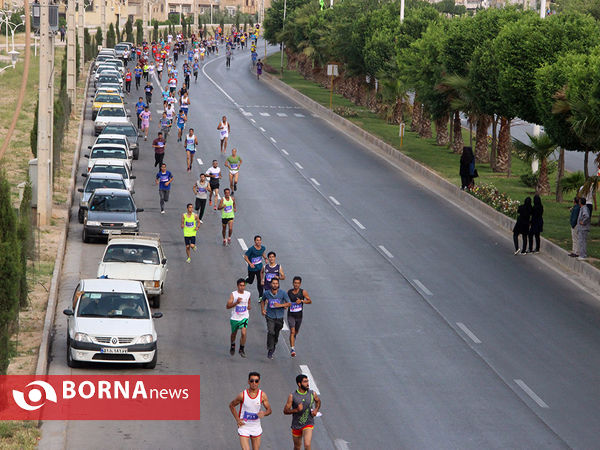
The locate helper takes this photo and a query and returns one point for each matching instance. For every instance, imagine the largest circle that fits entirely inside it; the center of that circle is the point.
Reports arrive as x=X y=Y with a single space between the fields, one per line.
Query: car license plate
x=111 y=231
x=113 y=350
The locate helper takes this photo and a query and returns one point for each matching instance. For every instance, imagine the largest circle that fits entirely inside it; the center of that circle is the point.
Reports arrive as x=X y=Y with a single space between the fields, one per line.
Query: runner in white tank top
x=224 y=130
x=250 y=412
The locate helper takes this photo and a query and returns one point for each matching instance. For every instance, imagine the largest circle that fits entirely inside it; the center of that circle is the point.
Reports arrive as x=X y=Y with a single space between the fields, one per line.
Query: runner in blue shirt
x=139 y=107
x=138 y=75
x=190 y=55
x=196 y=67
x=164 y=178
x=181 y=120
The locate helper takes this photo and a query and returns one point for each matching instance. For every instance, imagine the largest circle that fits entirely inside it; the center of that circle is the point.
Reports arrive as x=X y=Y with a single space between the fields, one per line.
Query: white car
x=108 y=151
x=110 y=321
x=105 y=138
x=107 y=70
x=136 y=257
x=109 y=114
x=118 y=166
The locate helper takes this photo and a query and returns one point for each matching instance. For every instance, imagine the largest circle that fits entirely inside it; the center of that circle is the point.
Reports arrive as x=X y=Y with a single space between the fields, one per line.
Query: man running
x=298 y=297
x=200 y=188
x=128 y=77
x=272 y=270
x=254 y=258
x=228 y=57
x=259 y=68
x=233 y=163
x=196 y=66
x=181 y=120
x=158 y=145
x=164 y=178
x=189 y=224
x=273 y=304
x=191 y=141
x=228 y=208
x=165 y=125
x=303 y=404
x=148 y=90
x=239 y=303
x=146 y=117
x=250 y=412
x=137 y=72
x=214 y=175
x=224 y=130
x=139 y=107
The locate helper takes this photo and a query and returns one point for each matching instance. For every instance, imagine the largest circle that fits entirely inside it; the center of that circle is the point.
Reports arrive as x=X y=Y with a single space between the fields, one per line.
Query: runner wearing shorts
x=224 y=130
x=181 y=120
x=201 y=187
x=298 y=298
x=189 y=224
x=254 y=258
x=239 y=303
x=214 y=175
x=250 y=412
x=233 y=163
x=228 y=208
x=146 y=117
x=191 y=141
x=303 y=404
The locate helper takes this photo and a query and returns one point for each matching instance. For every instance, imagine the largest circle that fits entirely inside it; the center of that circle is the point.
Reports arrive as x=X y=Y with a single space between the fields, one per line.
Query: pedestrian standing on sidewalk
x=164 y=178
x=158 y=145
x=467 y=165
x=574 y=228
x=537 y=224
x=273 y=306
x=583 y=221
x=522 y=226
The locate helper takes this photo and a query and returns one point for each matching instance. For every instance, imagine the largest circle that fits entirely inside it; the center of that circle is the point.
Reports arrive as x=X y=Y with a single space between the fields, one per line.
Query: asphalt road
x=425 y=331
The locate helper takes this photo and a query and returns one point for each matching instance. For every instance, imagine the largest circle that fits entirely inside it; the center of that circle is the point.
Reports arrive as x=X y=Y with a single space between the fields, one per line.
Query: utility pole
x=103 y=20
x=45 y=117
x=195 y=12
x=145 y=4
x=283 y=28
x=80 y=34
x=71 y=52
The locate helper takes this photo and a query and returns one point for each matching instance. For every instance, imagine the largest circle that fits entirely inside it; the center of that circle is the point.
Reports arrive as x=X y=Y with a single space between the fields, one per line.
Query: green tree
x=88 y=50
x=155 y=30
x=129 y=31
x=110 y=36
x=139 y=32
x=98 y=38
x=541 y=148
x=26 y=242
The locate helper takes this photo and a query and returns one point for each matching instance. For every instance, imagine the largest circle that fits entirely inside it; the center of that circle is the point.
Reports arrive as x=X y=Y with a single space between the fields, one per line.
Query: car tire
x=152 y=364
x=156 y=301
x=136 y=154
x=70 y=361
x=84 y=236
x=80 y=215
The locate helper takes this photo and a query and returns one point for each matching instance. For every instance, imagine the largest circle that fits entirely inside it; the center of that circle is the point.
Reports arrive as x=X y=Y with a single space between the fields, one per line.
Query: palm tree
x=541 y=148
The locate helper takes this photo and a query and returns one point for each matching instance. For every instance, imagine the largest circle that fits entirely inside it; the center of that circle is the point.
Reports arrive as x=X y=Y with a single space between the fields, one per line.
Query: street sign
x=332 y=70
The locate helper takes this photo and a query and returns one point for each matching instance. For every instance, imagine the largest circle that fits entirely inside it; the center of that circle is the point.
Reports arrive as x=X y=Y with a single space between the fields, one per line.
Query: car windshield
x=133 y=253
x=111 y=140
x=113 y=305
x=113 y=87
x=117 y=62
x=108 y=153
x=121 y=47
x=111 y=203
x=127 y=130
x=112 y=112
x=108 y=79
x=111 y=183
x=108 y=98
x=103 y=57
x=110 y=169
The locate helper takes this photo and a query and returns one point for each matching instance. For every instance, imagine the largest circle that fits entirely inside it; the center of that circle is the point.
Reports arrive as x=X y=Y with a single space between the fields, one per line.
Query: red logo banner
x=100 y=397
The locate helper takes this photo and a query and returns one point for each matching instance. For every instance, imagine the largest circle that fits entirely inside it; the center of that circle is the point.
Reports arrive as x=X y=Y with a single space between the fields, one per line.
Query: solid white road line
x=298 y=165
x=273 y=140
x=252 y=120
x=242 y=244
x=422 y=287
x=531 y=394
x=284 y=151
x=262 y=129
x=311 y=381
x=199 y=161
x=282 y=114
x=216 y=85
x=341 y=444
x=386 y=251
x=264 y=114
x=358 y=224
x=285 y=325
x=334 y=200
x=468 y=332
x=315 y=181
x=299 y=115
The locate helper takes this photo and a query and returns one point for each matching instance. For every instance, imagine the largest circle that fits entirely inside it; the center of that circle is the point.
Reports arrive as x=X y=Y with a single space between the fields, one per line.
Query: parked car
x=120 y=48
x=111 y=88
x=119 y=139
x=112 y=79
x=109 y=114
x=108 y=151
x=108 y=51
x=128 y=130
x=118 y=62
x=107 y=70
x=105 y=99
x=136 y=257
x=95 y=181
x=118 y=166
x=110 y=321
x=110 y=211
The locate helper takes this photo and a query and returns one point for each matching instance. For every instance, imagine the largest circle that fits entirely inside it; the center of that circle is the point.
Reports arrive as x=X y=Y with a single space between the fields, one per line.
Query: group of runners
x=252 y=404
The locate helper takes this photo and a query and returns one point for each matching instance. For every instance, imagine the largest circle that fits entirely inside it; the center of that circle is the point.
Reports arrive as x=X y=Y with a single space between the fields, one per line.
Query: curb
x=483 y=212
x=42 y=362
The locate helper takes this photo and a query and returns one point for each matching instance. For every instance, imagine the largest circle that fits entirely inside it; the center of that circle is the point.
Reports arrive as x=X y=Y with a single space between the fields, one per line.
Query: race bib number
x=250 y=416
x=234 y=166
x=256 y=260
x=223 y=132
x=295 y=307
x=270 y=276
x=241 y=309
x=228 y=208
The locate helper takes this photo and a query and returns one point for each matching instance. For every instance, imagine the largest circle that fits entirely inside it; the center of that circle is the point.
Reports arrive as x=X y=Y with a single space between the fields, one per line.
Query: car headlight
x=82 y=337
x=100 y=124
x=152 y=284
x=83 y=203
x=146 y=339
x=130 y=224
x=93 y=223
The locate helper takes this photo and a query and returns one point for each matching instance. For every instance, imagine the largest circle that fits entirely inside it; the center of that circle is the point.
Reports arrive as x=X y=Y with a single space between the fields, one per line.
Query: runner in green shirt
x=233 y=163
x=228 y=208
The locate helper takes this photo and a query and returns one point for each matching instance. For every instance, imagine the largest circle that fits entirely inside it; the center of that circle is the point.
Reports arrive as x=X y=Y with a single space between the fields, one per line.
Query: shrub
x=572 y=182
x=500 y=201
x=344 y=111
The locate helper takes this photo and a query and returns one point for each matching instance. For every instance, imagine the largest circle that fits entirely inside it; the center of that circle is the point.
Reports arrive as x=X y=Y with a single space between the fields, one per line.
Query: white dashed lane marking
x=273 y=140
x=248 y=114
x=468 y=332
x=265 y=114
x=541 y=403
x=315 y=181
x=298 y=165
x=284 y=151
x=311 y=381
x=358 y=224
x=298 y=115
x=262 y=129
x=422 y=287
x=242 y=244
x=334 y=200
x=282 y=114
